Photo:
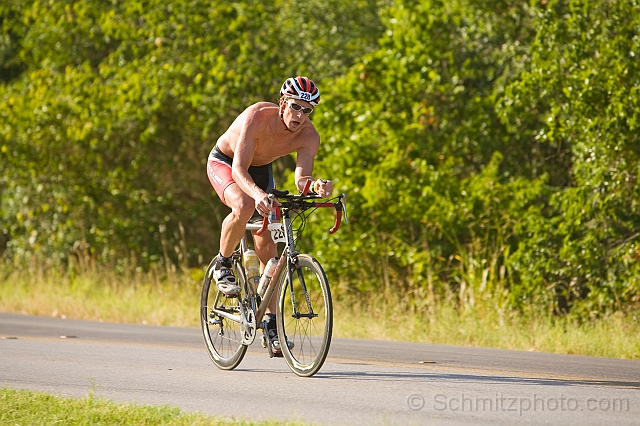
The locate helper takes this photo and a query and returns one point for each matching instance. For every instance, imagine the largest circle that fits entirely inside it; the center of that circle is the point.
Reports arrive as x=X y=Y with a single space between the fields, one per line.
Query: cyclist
x=239 y=169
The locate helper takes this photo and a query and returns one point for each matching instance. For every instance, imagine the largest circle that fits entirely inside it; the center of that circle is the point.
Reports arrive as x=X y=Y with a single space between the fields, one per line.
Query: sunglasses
x=294 y=106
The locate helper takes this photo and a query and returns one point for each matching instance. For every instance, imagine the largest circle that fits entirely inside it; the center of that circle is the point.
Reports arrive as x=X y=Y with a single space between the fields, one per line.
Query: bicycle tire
x=222 y=337
x=311 y=336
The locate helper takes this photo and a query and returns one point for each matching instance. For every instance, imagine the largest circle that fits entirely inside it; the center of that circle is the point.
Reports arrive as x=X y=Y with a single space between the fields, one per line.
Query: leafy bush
x=489 y=149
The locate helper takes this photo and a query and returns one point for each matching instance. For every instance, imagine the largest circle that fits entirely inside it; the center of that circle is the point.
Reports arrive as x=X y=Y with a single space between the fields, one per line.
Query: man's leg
x=234 y=225
x=233 y=228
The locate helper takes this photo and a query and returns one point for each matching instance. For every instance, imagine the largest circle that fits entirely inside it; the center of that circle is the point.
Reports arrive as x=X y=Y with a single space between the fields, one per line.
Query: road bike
x=304 y=312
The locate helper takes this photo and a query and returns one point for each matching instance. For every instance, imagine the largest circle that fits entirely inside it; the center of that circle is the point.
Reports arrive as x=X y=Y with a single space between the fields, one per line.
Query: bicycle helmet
x=301 y=88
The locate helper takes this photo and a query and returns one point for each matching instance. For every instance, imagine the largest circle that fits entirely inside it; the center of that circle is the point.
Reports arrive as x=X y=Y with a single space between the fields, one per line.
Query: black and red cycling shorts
x=219 y=173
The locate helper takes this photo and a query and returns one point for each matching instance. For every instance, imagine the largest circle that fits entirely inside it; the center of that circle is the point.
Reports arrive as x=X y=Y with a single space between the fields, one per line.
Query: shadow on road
x=474 y=378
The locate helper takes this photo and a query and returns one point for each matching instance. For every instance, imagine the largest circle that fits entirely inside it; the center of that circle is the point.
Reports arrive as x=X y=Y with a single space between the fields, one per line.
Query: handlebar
x=302 y=202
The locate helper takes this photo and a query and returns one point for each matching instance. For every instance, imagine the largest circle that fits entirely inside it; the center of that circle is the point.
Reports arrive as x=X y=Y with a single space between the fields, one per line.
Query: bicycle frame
x=288 y=258
x=289 y=255
x=257 y=304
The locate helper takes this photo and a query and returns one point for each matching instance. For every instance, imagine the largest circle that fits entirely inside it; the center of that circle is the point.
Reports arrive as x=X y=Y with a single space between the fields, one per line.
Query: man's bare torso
x=261 y=122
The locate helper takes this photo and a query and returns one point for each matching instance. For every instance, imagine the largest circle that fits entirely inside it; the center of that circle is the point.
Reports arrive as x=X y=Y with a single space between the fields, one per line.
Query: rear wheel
x=222 y=335
x=305 y=316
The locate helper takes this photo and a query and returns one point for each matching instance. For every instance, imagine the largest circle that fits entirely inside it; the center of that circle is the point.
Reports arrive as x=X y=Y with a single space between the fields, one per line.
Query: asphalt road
x=362 y=382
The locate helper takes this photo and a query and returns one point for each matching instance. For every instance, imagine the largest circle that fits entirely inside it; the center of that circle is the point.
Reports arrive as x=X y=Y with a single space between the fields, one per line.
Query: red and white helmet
x=301 y=88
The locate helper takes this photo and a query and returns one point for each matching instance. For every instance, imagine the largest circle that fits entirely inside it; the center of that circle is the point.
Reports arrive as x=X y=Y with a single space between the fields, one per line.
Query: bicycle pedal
x=275 y=353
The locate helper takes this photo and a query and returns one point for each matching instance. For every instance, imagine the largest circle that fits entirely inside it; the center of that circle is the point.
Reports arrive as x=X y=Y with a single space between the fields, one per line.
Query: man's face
x=296 y=111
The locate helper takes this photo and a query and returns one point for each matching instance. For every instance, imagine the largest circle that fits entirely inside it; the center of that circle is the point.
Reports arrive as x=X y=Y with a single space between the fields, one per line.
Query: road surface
x=362 y=382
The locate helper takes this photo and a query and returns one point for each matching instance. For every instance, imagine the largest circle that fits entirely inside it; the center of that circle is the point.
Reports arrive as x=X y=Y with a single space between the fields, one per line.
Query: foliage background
x=489 y=149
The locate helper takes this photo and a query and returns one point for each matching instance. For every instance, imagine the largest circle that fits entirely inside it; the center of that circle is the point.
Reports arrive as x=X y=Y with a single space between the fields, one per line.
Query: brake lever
x=265 y=220
x=343 y=201
x=307 y=185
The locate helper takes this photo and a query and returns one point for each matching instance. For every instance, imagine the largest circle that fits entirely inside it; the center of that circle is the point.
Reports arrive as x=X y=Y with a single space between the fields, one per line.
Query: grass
x=151 y=298
x=488 y=326
x=22 y=407
x=173 y=299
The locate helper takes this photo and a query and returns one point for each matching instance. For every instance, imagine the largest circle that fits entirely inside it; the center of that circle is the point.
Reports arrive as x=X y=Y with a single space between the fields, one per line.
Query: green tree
x=474 y=148
x=415 y=140
x=582 y=80
x=111 y=109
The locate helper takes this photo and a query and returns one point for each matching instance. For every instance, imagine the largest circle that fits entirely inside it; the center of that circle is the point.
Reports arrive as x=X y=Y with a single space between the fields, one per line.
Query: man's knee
x=243 y=208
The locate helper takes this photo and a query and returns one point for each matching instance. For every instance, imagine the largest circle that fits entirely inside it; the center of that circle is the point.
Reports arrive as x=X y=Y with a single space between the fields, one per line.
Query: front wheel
x=222 y=334
x=305 y=316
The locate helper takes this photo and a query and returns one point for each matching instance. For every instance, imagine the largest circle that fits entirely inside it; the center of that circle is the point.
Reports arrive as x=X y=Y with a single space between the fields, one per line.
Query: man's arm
x=243 y=157
x=304 y=168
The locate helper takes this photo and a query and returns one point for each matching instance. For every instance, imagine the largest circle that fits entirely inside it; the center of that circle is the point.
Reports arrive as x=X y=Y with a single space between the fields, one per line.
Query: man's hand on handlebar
x=322 y=187
x=264 y=205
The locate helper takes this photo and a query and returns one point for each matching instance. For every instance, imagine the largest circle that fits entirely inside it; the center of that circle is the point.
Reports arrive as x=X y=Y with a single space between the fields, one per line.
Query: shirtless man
x=239 y=168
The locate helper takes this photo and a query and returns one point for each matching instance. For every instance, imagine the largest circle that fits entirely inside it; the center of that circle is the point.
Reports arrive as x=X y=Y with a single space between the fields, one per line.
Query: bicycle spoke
x=305 y=316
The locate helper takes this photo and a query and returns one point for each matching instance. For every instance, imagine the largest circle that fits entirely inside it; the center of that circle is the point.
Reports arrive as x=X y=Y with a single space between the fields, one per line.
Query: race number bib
x=277 y=232
x=305 y=96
